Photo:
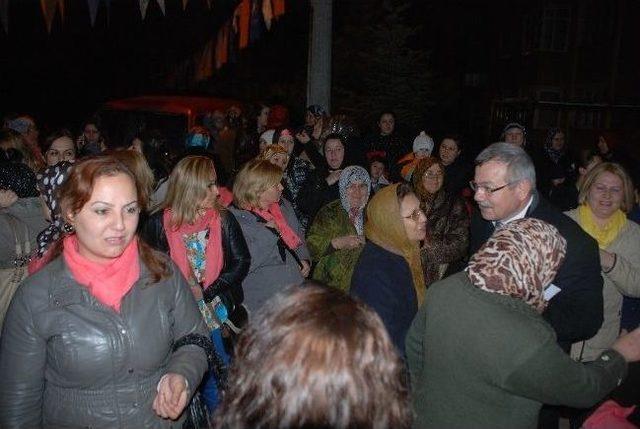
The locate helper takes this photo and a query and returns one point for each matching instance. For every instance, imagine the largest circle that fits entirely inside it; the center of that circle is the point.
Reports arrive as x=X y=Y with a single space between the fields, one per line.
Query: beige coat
x=623 y=279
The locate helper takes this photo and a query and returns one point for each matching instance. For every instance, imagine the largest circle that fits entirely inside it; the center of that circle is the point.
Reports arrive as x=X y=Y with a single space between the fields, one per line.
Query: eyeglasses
x=430 y=175
x=476 y=188
x=415 y=215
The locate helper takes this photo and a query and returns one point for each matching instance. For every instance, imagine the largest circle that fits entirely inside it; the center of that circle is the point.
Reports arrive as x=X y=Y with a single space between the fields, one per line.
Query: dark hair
x=387 y=112
x=315 y=358
x=457 y=138
x=77 y=190
x=377 y=158
x=62 y=132
x=585 y=156
x=334 y=136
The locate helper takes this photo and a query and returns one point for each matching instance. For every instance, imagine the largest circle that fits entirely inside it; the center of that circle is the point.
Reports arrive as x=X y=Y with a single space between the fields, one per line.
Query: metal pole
x=319 y=64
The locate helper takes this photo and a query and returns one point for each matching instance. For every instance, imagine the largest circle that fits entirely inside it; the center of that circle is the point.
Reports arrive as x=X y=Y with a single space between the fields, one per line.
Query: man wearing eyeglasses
x=504 y=189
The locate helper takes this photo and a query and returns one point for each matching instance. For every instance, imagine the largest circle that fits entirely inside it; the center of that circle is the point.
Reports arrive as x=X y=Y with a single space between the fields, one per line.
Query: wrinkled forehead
x=491 y=171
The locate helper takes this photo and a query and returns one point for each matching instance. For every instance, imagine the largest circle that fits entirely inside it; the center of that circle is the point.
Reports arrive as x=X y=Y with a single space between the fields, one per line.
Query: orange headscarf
x=384 y=227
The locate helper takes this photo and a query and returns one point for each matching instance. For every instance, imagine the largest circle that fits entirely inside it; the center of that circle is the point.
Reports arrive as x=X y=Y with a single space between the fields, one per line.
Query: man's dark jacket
x=576 y=311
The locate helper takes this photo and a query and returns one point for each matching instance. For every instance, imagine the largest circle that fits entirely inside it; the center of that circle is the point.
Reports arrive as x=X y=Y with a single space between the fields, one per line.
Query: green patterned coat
x=333 y=267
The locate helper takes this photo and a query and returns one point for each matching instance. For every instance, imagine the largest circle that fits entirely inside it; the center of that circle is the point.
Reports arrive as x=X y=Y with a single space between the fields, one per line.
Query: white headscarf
x=350 y=175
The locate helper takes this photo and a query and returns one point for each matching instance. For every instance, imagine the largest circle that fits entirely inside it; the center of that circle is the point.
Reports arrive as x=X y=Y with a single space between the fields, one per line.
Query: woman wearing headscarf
x=481 y=355
x=388 y=275
x=336 y=236
x=49 y=183
x=322 y=185
x=605 y=197
x=447 y=221
x=21 y=219
x=296 y=174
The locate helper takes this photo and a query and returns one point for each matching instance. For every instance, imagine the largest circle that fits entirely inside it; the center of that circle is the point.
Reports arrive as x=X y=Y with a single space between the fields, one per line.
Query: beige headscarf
x=384 y=227
x=519 y=260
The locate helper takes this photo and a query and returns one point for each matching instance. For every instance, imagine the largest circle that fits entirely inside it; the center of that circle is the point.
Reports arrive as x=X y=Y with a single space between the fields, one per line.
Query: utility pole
x=319 y=64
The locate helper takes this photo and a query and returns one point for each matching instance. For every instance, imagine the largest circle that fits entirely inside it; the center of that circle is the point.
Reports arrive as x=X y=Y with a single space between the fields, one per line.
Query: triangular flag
x=49 y=8
x=144 y=4
x=204 y=62
x=162 y=7
x=267 y=12
x=4 y=15
x=244 y=18
x=93 y=10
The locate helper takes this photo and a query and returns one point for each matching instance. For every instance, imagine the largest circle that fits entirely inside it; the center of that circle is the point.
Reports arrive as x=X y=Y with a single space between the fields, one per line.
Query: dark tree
x=375 y=66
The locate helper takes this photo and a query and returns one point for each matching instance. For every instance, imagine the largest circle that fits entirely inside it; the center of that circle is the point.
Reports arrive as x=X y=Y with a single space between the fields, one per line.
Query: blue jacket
x=383 y=281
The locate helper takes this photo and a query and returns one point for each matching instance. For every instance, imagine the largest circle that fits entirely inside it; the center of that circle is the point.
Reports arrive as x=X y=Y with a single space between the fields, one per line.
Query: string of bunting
x=248 y=23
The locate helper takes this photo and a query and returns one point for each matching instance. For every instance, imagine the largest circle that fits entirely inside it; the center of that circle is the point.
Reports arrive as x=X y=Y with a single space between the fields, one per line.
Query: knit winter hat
x=423 y=142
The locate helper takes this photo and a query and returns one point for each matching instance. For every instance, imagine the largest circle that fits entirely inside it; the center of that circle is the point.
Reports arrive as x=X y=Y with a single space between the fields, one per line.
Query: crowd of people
x=265 y=275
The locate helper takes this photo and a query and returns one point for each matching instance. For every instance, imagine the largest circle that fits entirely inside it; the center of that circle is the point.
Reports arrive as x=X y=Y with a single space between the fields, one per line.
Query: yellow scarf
x=384 y=227
x=605 y=235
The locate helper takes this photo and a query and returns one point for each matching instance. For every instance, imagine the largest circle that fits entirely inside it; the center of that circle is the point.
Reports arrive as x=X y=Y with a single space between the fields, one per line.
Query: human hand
x=333 y=177
x=607 y=260
x=7 y=198
x=171 y=397
x=305 y=268
x=556 y=182
x=303 y=137
x=628 y=345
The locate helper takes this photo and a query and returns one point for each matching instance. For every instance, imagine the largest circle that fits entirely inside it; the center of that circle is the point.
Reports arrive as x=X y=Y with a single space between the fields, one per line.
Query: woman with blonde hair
x=279 y=254
x=10 y=139
x=606 y=195
x=138 y=165
x=388 y=276
x=206 y=243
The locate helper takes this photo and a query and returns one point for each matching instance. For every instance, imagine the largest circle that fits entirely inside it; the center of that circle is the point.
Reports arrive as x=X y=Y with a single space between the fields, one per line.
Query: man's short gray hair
x=519 y=163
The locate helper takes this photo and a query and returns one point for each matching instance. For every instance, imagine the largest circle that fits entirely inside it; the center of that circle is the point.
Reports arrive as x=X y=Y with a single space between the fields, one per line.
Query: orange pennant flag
x=49 y=9
x=244 y=12
x=267 y=13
